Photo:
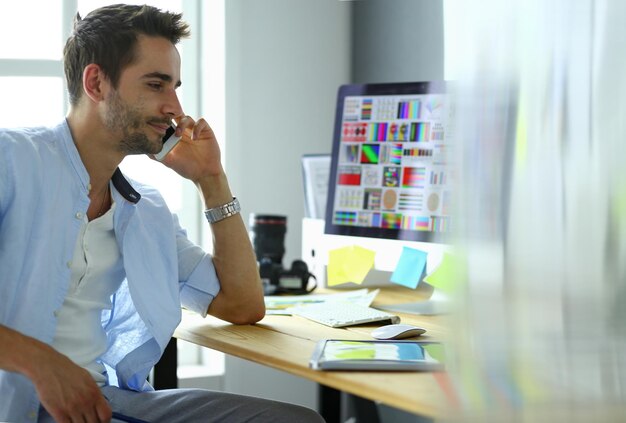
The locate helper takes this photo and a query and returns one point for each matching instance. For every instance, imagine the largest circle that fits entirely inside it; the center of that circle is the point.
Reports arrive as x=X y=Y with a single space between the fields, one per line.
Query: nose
x=172 y=106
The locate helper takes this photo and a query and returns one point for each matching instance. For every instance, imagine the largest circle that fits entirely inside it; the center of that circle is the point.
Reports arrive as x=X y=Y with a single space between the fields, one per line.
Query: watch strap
x=222 y=212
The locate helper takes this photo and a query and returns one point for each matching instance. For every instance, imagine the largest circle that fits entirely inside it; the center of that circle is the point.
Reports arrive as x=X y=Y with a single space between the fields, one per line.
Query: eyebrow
x=162 y=76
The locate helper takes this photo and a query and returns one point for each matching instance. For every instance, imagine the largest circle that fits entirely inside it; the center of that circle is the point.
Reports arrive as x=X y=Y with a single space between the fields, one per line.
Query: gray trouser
x=197 y=405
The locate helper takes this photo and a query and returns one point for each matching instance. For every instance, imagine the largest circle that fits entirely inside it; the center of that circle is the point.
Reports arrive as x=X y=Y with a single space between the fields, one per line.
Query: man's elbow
x=249 y=315
x=234 y=309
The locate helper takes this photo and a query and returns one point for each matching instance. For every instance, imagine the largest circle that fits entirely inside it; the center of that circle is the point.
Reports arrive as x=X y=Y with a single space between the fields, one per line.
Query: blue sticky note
x=411 y=268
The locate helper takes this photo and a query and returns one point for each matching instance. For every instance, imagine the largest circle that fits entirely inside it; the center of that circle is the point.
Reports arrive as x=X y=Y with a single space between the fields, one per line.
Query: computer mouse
x=398 y=331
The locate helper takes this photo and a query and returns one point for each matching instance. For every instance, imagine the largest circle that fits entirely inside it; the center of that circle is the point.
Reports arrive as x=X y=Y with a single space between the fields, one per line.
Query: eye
x=157 y=86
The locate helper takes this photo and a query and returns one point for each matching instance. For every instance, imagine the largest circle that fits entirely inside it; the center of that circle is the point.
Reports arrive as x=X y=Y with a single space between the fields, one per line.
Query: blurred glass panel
x=31 y=101
x=31 y=30
x=541 y=87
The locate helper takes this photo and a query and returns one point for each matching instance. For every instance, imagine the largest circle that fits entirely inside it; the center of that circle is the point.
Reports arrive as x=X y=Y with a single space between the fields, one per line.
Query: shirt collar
x=119 y=181
x=124 y=187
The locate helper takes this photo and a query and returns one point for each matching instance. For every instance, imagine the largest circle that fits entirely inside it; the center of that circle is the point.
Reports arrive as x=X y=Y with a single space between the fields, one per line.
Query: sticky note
x=349 y=264
x=447 y=275
x=410 y=268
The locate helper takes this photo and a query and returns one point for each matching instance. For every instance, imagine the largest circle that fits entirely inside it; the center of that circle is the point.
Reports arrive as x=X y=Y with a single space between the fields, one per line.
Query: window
x=31 y=70
x=22 y=103
x=37 y=25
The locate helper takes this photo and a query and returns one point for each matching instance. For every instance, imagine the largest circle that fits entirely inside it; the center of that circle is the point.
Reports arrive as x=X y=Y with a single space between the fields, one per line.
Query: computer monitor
x=390 y=177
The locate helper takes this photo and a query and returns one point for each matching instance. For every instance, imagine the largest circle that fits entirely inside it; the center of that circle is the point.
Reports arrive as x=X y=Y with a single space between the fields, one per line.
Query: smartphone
x=169 y=141
x=338 y=354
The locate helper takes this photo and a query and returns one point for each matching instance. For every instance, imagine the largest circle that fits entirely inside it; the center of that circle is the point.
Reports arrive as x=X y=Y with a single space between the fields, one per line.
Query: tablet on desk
x=336 y=354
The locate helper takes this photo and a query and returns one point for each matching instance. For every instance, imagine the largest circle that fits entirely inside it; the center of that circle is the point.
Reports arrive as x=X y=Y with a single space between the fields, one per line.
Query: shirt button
x=32 y=415
x=78 y=215
x=69 y=264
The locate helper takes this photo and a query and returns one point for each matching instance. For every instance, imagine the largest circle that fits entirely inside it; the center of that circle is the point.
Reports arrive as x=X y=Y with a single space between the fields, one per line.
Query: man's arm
x=197 y=158
x=240 y=299
x=67 y=391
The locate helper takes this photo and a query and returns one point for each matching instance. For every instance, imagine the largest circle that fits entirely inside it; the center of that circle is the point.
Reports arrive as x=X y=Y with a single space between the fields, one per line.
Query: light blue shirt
x=43 y=200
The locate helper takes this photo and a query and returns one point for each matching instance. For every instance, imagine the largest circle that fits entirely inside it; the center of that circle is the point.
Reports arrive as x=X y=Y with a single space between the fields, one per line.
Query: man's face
x=142 y=107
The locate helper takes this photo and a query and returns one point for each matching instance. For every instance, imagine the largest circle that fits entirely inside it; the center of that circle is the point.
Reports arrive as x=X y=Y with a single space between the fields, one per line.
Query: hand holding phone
x=169 y=141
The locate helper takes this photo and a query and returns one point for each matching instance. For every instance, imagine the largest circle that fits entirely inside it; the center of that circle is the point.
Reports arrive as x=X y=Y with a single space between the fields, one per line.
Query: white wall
x=284 y=62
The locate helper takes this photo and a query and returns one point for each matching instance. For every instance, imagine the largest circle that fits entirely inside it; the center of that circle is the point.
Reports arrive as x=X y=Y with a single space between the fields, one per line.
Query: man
x=94 y=268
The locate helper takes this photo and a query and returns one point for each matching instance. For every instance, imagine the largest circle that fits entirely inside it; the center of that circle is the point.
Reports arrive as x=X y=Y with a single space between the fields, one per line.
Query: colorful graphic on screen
x=419 y=131
x=433 y=108
x=345 y=218
x=390 y=199
x=349 y=153
x=398 y=132
x=409 y=109
x=369 y=219
x=377 y=131
x=372 y=199
x=416 y=223
x=411 y=201
x=437 y=133
x=392 y=220
x=349 y=175
x=414 y=177
x=369 y=153
x=391 y=176
x=392 y=171
x=354 y=132
x=366 y=109
x=391 y=154
x=370 y=176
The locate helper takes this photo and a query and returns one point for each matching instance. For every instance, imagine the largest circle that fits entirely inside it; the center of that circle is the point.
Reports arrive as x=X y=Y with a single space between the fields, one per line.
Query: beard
x=123 y=118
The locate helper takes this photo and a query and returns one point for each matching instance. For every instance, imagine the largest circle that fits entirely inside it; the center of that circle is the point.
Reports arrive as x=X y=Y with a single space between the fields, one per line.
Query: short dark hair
x=108 y=37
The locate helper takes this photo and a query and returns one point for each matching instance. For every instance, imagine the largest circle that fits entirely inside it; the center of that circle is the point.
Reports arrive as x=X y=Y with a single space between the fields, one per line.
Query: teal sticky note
x=411 y=268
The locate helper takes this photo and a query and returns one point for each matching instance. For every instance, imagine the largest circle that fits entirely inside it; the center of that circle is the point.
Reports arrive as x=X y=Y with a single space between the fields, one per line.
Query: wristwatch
x=218 y=213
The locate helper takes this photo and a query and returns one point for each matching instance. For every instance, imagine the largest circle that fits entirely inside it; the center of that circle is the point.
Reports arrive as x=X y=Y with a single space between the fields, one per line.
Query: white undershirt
x=96 y=273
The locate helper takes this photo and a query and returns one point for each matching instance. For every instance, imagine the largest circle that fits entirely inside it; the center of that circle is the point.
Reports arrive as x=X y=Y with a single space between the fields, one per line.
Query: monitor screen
x=389 y=175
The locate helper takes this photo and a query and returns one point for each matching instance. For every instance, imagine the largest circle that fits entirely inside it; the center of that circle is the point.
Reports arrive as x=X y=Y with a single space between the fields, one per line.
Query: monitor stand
x=438 y=303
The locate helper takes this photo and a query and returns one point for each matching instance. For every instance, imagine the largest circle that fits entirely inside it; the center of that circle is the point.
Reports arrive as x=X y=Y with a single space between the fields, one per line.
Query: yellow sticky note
x=447 y=276
x=349 y=264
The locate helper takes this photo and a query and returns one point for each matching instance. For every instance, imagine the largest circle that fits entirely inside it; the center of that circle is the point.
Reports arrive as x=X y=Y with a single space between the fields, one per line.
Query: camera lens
x=268 y=236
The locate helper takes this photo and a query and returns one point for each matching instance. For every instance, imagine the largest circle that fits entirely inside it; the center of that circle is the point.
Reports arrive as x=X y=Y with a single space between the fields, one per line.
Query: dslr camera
x=268 y=239
x=278 y=280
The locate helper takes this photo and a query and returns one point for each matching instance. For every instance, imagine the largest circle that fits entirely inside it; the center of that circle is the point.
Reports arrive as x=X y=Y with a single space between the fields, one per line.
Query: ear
x=95 y=83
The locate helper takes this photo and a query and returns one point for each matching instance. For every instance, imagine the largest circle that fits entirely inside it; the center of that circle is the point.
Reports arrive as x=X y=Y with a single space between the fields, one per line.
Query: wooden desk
x=286 y=343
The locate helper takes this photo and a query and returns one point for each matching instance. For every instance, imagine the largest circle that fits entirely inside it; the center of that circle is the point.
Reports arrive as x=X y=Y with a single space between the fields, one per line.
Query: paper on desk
x=410 y=268
x=276 y=304
x=349 y=264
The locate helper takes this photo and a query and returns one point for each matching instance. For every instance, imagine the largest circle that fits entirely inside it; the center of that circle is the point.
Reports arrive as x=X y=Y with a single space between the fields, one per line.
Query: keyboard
x=337 y=314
